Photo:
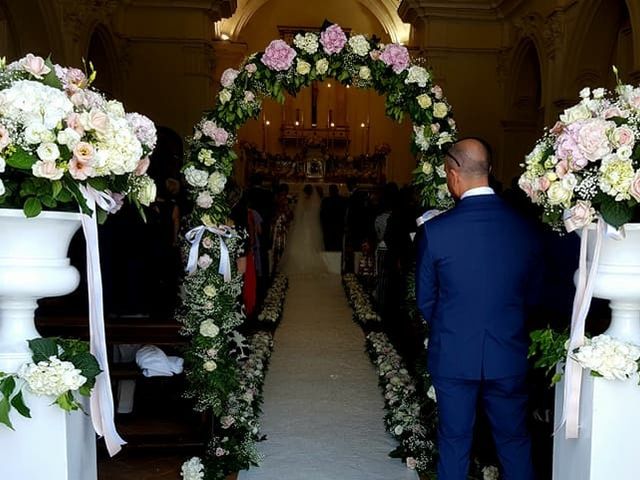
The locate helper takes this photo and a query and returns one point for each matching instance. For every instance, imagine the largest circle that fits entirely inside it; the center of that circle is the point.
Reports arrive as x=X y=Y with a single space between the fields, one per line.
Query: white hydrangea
x=418 y=75
x=192 y=469
x=28 y=102
x=609 y=357
x=53 y=378
x=490 y=473
x=307 y=42
x=217 y=182
x=359 y=45
x=206 y=156
x=616 y=176
x=68 y=137
x=195 y=177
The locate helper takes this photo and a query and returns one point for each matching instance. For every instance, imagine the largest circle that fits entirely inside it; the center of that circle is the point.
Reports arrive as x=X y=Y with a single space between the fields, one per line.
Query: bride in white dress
x=304 y=251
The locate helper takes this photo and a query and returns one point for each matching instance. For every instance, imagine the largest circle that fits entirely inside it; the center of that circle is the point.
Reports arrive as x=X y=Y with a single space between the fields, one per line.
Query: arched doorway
x=101 y=54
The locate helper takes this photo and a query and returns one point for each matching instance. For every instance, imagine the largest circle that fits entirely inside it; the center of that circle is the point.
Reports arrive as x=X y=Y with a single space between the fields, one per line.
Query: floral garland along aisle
x=210 y=311
x=234 y=447
x=411 y=410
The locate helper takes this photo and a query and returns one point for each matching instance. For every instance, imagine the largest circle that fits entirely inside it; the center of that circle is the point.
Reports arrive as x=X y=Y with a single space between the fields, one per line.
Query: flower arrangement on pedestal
x=59 y=138
x=59 y=369
x=588 y=164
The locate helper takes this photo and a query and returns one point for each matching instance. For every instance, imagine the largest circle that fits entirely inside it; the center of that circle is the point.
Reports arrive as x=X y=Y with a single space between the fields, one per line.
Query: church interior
x=508 y=68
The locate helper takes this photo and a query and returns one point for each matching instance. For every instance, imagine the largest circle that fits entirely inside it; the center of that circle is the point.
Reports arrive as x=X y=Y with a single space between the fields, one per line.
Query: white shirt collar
x=474 y=192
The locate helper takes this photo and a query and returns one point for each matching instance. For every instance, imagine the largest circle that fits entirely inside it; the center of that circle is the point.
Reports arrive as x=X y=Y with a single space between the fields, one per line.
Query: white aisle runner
x=323 y=410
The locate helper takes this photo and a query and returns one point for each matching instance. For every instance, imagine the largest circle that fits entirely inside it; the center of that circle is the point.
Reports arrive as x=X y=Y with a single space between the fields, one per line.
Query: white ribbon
x=194 y=237
x=102 y=412
x=581 y=305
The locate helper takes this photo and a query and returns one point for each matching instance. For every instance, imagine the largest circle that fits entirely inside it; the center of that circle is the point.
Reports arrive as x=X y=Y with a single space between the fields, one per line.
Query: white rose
x=68 y=137
x=204 y=200
x=558 y=195
x=35 y=133
x=217 y=182
x=418 y=75
x=359 y=45
x=303 y=68
x=209 y=329
x=146 y=191
x=573 y=114
x=322 y=66
x=424 y=101
x=210 y=290
x=440 y=110
x=224 y=96
x=364 y=73
x=3 y=164
x=48 y=152
x=427 y=168
x=2 y=189
x=585 y=92
x=116 y=109
x=195 y=177
x=205 y=261
x=209 y=365
x=598 y=93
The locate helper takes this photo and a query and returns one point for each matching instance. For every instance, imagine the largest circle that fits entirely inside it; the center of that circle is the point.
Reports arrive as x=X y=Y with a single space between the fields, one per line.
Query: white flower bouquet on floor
x=61 y=141
x=274 y=300
x=359 y=300
x=588 y=164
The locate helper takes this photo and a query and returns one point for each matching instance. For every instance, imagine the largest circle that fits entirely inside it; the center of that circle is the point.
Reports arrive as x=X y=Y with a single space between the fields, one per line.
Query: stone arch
x=384 y=10
x=101 y=52
x=523 y=106
x=8 y=40
x=600 y=30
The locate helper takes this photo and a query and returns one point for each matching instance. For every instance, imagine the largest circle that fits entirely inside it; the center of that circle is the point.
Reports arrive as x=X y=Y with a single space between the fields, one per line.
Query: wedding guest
x=476 y=306
x=332 y=212
x=384 y=265
x=261 y=200
x=366 y=266
x=283 y=218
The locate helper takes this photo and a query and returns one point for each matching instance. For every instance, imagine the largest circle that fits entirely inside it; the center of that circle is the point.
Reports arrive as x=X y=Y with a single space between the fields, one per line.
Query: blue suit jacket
x=478 y=270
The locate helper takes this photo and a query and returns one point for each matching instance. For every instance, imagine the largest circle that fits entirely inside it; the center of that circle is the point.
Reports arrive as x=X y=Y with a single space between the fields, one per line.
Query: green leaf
x=51 y=79
x=5 y=407
x=615 y=213
x=21 y=159
x=48 y=201
x=88 y=364
x=73 y=188
x=43 y=348
x=18 y=403
x=7 y=386
x=99 y=183
x=32 y=207
x=56 y=187
x=66 y=402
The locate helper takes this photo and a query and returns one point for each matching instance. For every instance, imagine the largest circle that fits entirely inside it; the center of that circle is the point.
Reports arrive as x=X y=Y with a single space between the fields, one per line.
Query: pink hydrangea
x=278 y=56
x=229 y=77
x=219 y=135
x=396 y=56
x=333 y=39
x=567 y=147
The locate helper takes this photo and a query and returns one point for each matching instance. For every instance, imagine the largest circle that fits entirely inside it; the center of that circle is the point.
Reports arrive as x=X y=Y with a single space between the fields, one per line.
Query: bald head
x=471 y=158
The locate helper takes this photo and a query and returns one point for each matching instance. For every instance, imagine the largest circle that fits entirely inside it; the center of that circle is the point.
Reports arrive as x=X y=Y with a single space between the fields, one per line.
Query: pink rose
x=36 y=66
x=73 y=122
x=411 y=463
x=437 y=92
x=333 y=39
x=205 y=261
x=527 y=187
x=229 y=77
x=219 y=135
x=623 y=136
x=220 y=452
x=562 y=168
x=634 y=190
x=612 y=112
x=278 y=56
x=375 y=55
x=80 y=170
x=396 y=56
x=251 y=68
x=557 y=128
x=98 y=121
x=435 y=128
x=142 y=167
x=47 y=169
x=74 y=80
x=5 y=140
x=593 y=141
x=249 y=96
x=578 y=216
x=84 y=152
x=80 y=98
x=544 y=183
x=207 y=243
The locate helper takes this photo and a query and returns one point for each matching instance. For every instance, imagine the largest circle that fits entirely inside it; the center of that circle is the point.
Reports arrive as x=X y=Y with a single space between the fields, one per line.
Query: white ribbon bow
x=102 y=411
x=194 y=237
x=581 y=305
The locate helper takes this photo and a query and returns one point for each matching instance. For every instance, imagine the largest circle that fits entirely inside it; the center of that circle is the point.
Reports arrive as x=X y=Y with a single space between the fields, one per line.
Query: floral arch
x=210 y=312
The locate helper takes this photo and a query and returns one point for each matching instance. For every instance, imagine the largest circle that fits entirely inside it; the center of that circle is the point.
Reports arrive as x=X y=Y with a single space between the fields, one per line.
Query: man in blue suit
x=477 y=272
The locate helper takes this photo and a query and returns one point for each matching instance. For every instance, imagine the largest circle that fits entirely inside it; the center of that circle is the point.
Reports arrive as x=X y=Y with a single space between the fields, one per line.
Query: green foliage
x=548 y=348
x=616 y=213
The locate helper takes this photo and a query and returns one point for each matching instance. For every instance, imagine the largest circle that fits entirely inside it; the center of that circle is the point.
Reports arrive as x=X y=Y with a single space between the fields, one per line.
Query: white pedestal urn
x=609 y=410
x=53 y=444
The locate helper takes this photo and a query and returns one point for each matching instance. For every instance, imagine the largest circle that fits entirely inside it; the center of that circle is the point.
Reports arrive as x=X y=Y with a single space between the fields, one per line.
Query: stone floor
x=141 y=466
